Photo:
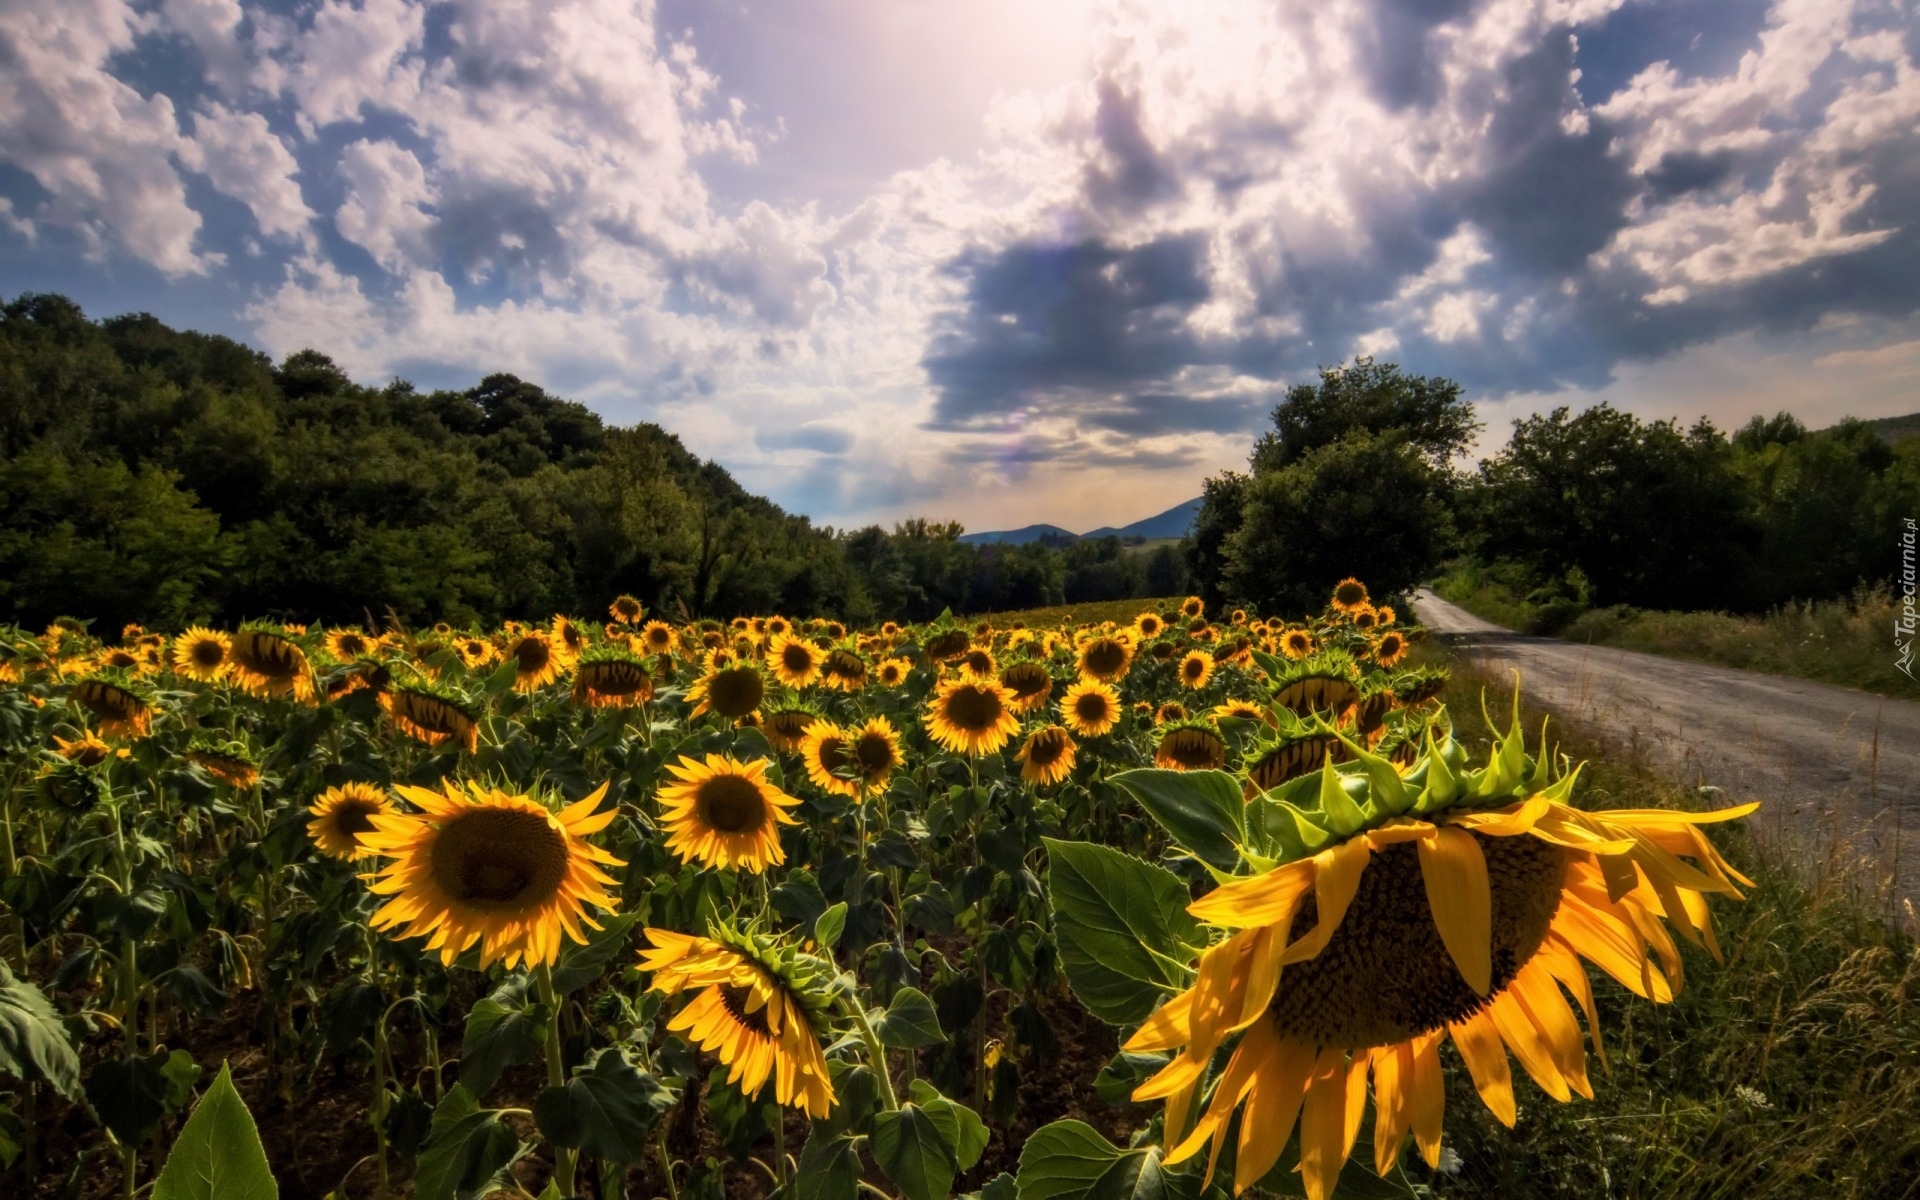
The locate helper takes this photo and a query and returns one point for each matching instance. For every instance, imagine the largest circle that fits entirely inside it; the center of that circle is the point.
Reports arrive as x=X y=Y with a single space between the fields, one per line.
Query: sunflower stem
x=666 y=1160
x=564 y=1158
x=876 y=1053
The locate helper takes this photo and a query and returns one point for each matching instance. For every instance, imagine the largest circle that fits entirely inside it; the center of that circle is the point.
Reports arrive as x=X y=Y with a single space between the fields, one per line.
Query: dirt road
x=1834 y=768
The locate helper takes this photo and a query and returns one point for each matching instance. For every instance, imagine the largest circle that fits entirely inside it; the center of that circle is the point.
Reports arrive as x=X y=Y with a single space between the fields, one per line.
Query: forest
x=165 y=477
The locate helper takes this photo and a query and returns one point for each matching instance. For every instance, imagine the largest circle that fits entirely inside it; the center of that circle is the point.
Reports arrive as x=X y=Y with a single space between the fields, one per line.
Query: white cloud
x=242 y=158
x=103 y=152
x=385 y=211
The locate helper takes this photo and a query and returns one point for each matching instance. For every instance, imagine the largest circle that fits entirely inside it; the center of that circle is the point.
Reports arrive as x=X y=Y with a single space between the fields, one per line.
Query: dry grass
x=1791 y=1070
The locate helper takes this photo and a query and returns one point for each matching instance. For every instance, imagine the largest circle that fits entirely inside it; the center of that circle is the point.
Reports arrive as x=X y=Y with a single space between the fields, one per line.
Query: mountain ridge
x=1173 y=523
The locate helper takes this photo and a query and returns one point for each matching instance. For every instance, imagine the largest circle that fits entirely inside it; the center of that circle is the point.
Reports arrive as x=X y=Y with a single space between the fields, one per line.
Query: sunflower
x=761 y=1011
x=121 y=711
x=1090 y=708
x=1105 y=658
x=626 y=610
x=972 y=716
x=1349 y=594
x=1190 y=746
x=773 y=627
x=271 y=665
x=1298 y=644
x=656 y=637
x=229 y=762
x=795 y=662
x=978 y=662
x=568 y=638
x=891 y=672
x=1192 y=607
x=87 y=750
x=890 y=630
x=611 y=677
x=482 y=865
x=786 y=727
x=1437 y=904
x=845 y=670
x=1389 y=648
x=1196 y=669
x=1363 y=617
x=725 y=813
x=349 y=644
x=1172 y=710
x=1148 y=626
x=339 y=815
x=825 y=750
x=431 y=716
x=201 y=654
x=1047 y=756
x=1030 y=683
x=1386 y=615
x=732 y=690
x=1243 y=710
x=117 y=659
x=875 y=753
x=536 y=663
x=1322 y=683
x=1292 y=757
x=943 y=644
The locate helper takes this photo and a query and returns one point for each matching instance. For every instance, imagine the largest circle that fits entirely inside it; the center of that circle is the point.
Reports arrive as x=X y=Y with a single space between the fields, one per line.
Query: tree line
x=163 y=476
x=1363 y=473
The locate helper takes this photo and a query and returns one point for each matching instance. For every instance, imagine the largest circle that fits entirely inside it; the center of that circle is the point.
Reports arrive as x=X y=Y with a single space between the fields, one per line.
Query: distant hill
x=1897 y=429
x=1173 y=523
x=1020 y=537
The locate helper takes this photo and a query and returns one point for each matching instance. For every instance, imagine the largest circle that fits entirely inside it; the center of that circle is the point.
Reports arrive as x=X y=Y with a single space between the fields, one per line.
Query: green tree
x=1370 y=505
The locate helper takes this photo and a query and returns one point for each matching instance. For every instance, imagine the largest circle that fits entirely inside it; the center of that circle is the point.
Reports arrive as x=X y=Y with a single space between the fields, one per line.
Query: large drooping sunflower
x=611 y=677
x=431 y=716
x=232 y=763
x=786 y=724
x=1190 y=745
x=794 y=661
x=725 y=813
x=845 y=670
x=1442 y=902
x=826 y=753
x=1090 y=708
x=479 y=865
x=733 y=689
x=1047 y=757
x=972 y=716
x=118 y=708
x=339 y=815
x=760 y=1008
x=271 y=665
x=201 y=654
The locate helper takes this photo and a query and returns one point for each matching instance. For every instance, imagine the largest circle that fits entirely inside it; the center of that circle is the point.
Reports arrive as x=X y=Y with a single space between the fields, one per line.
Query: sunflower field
x=1191 y=905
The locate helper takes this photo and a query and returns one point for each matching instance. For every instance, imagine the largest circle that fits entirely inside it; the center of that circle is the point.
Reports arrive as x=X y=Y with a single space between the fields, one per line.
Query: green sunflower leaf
x=1124 y=932
x=218 y=1155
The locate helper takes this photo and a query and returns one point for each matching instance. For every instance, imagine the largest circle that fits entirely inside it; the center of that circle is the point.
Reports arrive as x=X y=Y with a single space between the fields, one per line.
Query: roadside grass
x=1847 y=642
x=1790 y=1070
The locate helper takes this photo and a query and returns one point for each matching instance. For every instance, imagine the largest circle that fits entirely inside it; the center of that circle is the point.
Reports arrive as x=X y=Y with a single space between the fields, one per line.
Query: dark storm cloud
x=1045 y=319
x=1400 y=65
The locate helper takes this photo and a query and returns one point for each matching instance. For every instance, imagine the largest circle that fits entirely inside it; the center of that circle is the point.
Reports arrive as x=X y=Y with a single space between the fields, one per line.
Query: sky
x=999 y=261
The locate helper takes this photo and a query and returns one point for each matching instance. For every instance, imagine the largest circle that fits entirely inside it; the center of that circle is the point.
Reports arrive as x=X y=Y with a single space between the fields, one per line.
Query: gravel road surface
x=1837 y=770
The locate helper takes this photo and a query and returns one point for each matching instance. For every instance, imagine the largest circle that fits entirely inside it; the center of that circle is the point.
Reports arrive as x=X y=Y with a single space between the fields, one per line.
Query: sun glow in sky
x=997 y=261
